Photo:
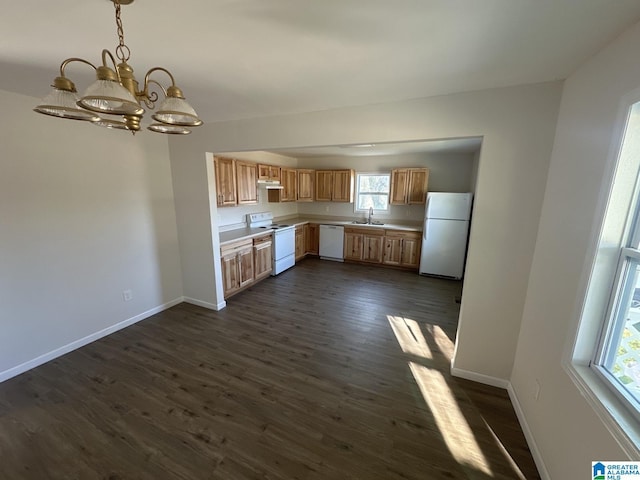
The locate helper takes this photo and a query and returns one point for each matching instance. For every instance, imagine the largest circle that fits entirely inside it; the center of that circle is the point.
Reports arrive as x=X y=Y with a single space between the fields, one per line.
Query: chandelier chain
x=122 y=51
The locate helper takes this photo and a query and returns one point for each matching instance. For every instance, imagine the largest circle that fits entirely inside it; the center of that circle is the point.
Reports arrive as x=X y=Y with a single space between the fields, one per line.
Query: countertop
x=349 y=223
x=246 y=233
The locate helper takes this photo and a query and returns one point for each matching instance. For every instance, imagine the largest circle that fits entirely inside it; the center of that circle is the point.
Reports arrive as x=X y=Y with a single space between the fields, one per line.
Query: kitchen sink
x=364 y=222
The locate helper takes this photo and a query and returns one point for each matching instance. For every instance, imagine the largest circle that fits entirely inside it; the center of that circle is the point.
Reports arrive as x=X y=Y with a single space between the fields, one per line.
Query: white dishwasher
x=332 y=243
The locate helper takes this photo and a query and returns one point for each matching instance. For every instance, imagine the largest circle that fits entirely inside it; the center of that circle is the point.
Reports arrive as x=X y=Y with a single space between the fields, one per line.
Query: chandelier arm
x=64 y=64
x=147 y=80
x=106 y=53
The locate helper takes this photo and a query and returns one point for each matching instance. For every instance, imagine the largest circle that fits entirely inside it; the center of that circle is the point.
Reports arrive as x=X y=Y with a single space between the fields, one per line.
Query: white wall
x=85 y=213
x=447 y=173
x=517 y=124
x=565 y=428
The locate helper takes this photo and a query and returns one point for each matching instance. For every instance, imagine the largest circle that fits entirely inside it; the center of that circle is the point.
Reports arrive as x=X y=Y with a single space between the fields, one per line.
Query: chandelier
x=114 y=100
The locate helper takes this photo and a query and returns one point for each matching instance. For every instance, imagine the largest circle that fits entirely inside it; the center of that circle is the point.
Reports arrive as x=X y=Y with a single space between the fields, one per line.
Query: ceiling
x=239 y=59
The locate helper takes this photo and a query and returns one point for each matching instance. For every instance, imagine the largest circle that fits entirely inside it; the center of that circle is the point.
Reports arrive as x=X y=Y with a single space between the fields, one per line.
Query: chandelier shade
x=116 y=92
x=63 y=104
x=170 y=129
x=176 y=111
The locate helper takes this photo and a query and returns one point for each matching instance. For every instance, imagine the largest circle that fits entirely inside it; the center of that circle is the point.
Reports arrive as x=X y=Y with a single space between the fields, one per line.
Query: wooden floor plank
x=327 y=371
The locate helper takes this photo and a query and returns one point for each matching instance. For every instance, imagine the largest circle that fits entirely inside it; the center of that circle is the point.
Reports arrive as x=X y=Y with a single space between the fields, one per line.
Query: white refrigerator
x=445 y=233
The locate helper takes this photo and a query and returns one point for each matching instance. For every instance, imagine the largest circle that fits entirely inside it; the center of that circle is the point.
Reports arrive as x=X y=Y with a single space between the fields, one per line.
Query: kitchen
x=451 y=168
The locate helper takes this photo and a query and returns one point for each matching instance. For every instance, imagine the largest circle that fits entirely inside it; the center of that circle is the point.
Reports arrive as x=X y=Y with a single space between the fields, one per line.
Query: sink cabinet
x=363 y=244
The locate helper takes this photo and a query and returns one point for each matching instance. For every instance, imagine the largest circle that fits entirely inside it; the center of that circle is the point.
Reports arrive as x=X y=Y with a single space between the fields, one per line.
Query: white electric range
x=284 y=240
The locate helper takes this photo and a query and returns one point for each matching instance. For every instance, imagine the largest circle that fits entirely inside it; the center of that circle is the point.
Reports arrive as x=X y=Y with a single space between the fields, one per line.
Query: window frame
x=598 y=286
x=357 y=193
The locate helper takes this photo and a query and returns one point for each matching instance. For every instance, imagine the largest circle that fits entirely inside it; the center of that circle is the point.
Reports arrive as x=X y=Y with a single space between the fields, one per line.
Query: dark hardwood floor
x=328 y=371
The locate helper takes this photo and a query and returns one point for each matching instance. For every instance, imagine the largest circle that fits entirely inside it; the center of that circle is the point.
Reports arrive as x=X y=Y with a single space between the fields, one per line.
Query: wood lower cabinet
x=372 y=248
x=263 y=256
x=363 y=244
x=237 y=266
x=312 y=239
x=300 y=250
x=306 y=183
x=402 y=248
x=246 y=181
x=225 y=171
x=352 y=244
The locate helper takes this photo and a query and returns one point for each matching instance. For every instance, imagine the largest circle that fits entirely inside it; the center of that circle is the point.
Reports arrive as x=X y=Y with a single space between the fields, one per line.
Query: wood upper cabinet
x=324 y=185
x=335 y=185
x=409 y=186
x=343 y=184
x=246 y=181
x=268 y=172
x=237 y=266
x=225 y=172
x=300 y=243
x=402 y=248
x=312 y=238
x=399 y=184
x=289 y=190
x=263 y=256
x=306 y=182
x=363 y=244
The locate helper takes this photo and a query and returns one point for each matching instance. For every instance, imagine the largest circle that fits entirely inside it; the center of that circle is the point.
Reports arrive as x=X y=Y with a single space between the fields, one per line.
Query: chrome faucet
x=369 y=220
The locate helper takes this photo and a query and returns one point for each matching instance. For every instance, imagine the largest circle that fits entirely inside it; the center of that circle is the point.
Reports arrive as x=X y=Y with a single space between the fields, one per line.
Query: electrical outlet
x=536 y=390
x=326 y=209
x=127 y=295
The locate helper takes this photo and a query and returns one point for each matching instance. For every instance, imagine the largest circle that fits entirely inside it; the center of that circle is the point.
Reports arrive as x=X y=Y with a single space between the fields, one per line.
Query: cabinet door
x=262 y=257
x=289 y=180
x=225 y=170
x=300 y=251
x=417 y=189
x=230 y=280
x=343 y=183
x=306 y=181
x=399 y=183
x=312 y=238
x=411 y=252
x=372 y=248
x=246 y=178
x=324 y=183
x=274 y=172
x=352 y=245
x=245 y=266
x=264 y=172
x=392 y=250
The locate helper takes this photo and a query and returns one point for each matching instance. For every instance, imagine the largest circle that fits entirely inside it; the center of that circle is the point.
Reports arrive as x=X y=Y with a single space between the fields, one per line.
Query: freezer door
x=444 y=246
x=454 y=206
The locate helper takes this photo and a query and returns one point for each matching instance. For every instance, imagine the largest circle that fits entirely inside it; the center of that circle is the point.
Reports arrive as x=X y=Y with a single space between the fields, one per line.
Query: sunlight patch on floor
x=450 y=421
x=507 y=455
x=445 y=345
x=410 y=336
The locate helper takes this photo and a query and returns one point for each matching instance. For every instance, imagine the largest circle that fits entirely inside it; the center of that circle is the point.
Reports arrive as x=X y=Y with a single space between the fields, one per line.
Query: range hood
x=270 y=184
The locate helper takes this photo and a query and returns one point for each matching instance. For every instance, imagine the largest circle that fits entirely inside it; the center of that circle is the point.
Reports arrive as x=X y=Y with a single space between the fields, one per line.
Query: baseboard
x=208 y=305
x=506 y=385
x=528 y=435
x=58 y=352
x=480 y=378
